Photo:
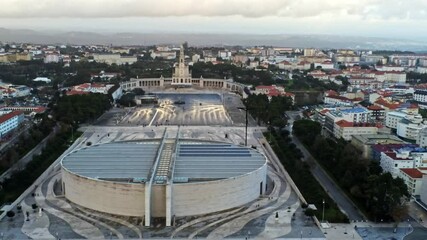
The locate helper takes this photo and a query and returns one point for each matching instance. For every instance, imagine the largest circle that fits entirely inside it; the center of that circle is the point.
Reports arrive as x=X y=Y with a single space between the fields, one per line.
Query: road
x=28 y=157
x=20 y=130
x=334 y=191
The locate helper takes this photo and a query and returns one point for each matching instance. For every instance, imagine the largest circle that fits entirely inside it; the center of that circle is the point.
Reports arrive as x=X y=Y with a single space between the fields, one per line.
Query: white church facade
x=181 y=77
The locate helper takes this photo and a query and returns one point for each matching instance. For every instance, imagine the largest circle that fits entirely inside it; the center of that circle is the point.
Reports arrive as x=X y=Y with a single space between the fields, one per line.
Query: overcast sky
x=376 y=18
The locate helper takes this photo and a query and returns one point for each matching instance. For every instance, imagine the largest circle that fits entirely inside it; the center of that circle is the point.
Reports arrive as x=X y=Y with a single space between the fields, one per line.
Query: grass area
x=300 y=173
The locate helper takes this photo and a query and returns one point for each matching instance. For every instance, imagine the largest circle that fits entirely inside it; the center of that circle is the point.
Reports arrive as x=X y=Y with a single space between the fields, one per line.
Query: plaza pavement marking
x=202 y=219
x=280 y=227
x=207 y=218
x=78 y=225
x=38 y=226
x=154 y=117
x=238 y=223
x=112 y=219
x=50 y=196
x=256 y=207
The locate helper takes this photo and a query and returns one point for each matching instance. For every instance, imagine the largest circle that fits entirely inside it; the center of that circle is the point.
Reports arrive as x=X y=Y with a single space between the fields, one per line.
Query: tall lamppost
x=246 y=124
x=323 y=211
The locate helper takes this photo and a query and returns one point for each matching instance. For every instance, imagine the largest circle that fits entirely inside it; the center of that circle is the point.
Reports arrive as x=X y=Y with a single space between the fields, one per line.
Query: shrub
x=10 y=214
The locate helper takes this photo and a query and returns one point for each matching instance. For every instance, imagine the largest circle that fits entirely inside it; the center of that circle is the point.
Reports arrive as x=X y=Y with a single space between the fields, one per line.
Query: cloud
x=365 y=9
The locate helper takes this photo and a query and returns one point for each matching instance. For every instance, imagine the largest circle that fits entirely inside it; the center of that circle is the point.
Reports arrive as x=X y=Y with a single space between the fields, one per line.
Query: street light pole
x=246 y=128
x=323 y=212
x=246 y=123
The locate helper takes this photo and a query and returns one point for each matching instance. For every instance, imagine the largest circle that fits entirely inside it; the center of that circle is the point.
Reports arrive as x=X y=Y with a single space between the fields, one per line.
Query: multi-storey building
x=413 y=179
x=10 y=121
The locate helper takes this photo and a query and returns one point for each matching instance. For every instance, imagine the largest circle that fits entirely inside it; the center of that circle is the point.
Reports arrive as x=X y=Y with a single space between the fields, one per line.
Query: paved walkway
x=37 y=226
x=277 y=227
x=254 y=211
x=78 y=225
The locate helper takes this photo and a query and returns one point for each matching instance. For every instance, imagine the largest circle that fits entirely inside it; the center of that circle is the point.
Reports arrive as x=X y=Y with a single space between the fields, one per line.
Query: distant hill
x=318 y=41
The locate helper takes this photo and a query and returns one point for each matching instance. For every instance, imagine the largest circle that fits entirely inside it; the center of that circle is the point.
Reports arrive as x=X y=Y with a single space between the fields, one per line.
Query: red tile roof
x=331 y=93
x=344 y=123
x=75 y=92
x=265 y=87
x=285 y=62
x=375 y=107
x=387 y=104
x=8 y=116
x=339 y=98
x=394 y=156
x=324 y=111
x=412 y=172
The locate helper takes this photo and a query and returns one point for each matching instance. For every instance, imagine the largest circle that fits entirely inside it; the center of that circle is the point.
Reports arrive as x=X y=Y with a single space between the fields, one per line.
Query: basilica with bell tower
x=182 y=74
x=181 y=77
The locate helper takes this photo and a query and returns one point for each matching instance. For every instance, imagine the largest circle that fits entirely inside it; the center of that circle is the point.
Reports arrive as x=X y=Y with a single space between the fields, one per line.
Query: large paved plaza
x=63 y=219
x=215 y=117
x=207 y=109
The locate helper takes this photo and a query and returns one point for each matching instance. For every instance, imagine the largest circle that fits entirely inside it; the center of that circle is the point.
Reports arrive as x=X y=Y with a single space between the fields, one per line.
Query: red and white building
x=345 y=129
x=10 y=121
x=87 y=88
x=413 y=178
x=327 y=65
x=273 y=91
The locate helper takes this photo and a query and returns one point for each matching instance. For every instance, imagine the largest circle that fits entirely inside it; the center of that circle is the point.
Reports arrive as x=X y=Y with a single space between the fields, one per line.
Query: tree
x=138 y=91
x=34 y=207
x=306 y=130
x=10 y=214
x=309 y=212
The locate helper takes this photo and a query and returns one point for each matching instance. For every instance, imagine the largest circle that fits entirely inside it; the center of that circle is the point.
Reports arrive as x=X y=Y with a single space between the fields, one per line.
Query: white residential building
x=114 y=59
x=395 y=77
x=10 y=121
x=413 y=179
x=393 y=161
x=52 y=58
x=410 y=127
x=393 y=118
x=168 y=55
x=355 y=115
x=225 y=55
x=422 y=138
x=327 y=65
x=386 y=68
x=420 y=95
x=42 y=79
x=344 y=129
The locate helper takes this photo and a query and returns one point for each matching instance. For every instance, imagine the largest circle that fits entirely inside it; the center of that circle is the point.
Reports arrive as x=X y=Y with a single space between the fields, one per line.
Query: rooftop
x=5 y=117
x=412 y=172
x=133 y=161
x=377 y=138
x=354 y=110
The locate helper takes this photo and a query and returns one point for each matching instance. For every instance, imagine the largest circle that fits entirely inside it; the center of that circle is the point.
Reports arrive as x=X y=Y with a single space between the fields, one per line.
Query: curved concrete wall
x=188 y=199
x=110 y=197
x=213 y=196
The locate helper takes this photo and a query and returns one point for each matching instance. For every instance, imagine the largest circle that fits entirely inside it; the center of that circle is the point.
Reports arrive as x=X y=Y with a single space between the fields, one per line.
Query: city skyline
x=366 y=18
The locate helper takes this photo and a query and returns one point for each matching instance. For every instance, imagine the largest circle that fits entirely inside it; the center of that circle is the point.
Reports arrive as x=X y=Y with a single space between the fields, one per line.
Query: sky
x=370 y=18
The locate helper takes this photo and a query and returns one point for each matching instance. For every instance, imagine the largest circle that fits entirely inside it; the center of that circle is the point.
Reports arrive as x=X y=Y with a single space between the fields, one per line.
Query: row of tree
x=26 y=142
x=12 y=187
x=80 y=108
x=267 y=111
x=66 y=113
x=299 y=171
x=381 y=196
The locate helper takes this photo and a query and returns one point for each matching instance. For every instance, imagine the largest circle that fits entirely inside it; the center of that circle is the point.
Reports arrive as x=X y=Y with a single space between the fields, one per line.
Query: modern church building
x=163 y=178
